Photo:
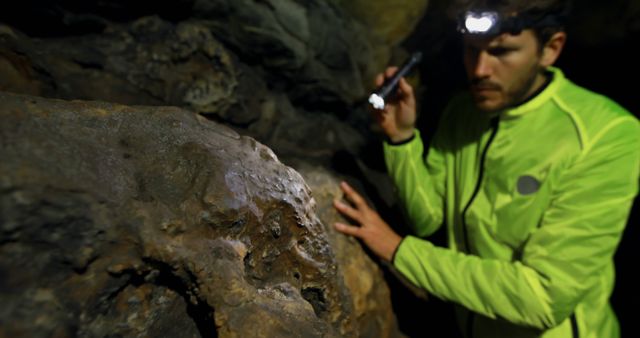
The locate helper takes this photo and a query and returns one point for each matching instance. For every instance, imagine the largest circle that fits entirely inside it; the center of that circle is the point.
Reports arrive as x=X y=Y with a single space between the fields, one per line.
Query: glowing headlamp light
x=480 y=23
x=491 y=23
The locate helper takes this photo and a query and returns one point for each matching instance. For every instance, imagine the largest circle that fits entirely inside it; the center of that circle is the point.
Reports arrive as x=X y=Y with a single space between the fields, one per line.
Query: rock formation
x=153 y=221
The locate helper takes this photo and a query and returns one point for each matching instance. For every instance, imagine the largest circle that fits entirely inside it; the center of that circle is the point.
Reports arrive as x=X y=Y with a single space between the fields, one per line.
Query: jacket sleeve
x=420 y=185
x=562 y=259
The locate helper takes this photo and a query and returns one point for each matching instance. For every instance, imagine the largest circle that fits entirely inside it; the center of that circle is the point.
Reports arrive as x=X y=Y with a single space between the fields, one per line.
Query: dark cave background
x=600 y=55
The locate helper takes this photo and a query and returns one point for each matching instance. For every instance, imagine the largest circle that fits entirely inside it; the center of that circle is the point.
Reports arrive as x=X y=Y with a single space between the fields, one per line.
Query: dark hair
x=534 y=9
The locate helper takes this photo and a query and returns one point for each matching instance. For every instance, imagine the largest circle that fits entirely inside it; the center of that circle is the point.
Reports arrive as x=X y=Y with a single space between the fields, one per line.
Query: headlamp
x=480 y=23
x=489 y=23
x=492 y=23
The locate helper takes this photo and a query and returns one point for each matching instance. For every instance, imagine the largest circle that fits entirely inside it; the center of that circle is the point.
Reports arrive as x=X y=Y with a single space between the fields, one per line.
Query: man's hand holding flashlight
x=371 y=229
x=398 y=117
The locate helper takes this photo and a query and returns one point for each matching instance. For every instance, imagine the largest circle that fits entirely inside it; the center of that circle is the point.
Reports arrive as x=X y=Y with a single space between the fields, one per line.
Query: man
x=533 y=176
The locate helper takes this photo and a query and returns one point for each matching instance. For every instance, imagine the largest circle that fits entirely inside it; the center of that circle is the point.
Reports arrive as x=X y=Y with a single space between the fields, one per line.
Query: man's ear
x=552 y=49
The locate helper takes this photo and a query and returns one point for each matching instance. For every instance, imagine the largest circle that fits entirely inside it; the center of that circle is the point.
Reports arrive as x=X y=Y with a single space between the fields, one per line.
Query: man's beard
x=517 y=95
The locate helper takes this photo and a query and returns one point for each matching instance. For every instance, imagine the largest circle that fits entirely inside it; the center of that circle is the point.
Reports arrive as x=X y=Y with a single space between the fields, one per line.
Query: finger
x=347 y=229
x=379 y=80
x=391 y=71
x=353 y=196
x=347 y=210
x=405 y=87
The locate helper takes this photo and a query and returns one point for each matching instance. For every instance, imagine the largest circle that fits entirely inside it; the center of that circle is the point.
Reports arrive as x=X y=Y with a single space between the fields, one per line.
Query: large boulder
x=148 y=221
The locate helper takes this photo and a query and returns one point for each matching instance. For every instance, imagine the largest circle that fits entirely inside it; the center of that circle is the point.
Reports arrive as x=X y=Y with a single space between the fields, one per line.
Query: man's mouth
x=484 y=88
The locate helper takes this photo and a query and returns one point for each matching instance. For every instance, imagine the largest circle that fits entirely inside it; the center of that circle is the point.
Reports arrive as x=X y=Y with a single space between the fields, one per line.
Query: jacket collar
x=542 y=97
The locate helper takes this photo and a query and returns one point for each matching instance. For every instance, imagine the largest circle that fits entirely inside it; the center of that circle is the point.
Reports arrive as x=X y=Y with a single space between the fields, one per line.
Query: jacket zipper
x=575 y=333
x=494 y=126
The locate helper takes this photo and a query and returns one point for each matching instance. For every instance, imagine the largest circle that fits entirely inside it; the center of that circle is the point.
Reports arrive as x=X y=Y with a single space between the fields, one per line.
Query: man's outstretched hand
x=371 y=229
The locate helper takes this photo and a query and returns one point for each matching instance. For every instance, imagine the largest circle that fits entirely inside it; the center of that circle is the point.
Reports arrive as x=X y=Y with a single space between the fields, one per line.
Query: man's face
x=503 y=70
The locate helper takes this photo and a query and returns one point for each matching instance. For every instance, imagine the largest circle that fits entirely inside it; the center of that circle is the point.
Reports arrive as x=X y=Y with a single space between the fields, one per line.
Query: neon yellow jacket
x=535 y=201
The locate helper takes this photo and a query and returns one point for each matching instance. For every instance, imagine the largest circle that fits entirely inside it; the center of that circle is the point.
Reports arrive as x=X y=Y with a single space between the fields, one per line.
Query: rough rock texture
x=141 y=221
x=310 y=49
x=391 y=21
x=310 y=44
x=150 y=61
x=362 y=276
x=154 y=62
x=388 y=23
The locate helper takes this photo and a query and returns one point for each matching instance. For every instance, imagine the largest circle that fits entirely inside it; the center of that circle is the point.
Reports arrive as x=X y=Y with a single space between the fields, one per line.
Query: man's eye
x=499 y=51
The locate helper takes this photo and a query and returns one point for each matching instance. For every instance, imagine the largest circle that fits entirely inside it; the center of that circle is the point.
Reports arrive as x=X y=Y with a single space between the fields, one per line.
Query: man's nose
x=482 y=67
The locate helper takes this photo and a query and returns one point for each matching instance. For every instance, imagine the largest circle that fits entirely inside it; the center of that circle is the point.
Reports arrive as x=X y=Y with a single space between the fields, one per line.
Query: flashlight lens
x=376 y=101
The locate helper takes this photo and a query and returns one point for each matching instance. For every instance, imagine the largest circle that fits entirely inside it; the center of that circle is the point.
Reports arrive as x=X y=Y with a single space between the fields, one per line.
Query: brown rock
x=362 y=276
x=139 y=220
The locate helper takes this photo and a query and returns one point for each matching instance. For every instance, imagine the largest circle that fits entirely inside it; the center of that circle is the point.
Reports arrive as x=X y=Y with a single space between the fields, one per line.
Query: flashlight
x=389 y=86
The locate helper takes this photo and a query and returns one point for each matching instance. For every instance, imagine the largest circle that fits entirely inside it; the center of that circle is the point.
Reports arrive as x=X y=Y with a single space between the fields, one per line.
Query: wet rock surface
x=362 y=275
x=139 y=220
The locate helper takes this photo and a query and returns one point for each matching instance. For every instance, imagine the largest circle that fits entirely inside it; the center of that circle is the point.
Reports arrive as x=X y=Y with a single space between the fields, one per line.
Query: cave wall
x=120 y=219
x=154 y=221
